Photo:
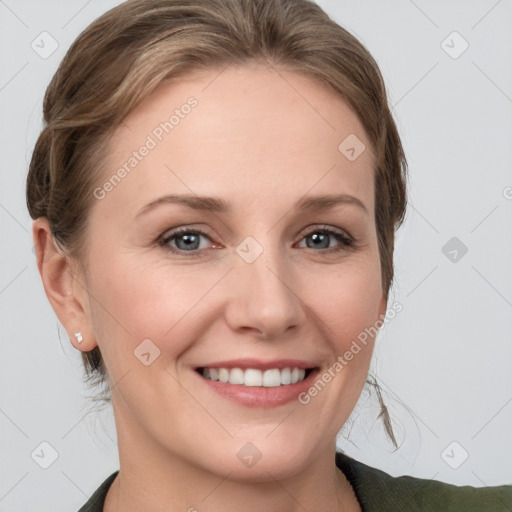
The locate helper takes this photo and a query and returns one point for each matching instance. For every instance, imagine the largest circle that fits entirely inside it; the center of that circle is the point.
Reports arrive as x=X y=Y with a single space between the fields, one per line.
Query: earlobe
x=61 y=282
x=383 y=306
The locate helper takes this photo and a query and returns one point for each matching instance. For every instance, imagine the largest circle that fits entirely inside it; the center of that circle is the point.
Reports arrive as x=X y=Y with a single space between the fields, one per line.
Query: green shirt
x=378 y=491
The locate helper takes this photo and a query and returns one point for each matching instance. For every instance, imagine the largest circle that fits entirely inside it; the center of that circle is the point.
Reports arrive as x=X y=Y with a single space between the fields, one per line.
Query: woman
x=215 y=195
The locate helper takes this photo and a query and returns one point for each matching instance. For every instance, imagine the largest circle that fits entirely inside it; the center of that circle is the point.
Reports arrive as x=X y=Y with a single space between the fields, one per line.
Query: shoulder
x=96 y=501
x=379 y=491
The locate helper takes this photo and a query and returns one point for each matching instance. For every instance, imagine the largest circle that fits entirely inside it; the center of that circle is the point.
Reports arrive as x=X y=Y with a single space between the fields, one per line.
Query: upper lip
x=260 y=364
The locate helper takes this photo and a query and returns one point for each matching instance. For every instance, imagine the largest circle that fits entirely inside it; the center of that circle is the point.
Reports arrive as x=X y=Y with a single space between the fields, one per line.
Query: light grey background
x=444 y=360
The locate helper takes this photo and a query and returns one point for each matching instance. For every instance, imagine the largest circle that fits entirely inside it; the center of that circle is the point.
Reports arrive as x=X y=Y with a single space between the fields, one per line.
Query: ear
x=64 y=286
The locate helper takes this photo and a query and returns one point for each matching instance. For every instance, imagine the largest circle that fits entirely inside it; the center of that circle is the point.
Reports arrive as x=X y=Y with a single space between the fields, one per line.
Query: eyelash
x=345 y=241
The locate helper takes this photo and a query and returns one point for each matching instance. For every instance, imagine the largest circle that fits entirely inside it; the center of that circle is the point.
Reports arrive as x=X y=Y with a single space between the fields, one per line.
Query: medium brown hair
x=124 y=55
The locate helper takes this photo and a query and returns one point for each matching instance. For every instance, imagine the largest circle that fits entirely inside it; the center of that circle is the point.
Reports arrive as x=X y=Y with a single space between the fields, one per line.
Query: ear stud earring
x=78 y=336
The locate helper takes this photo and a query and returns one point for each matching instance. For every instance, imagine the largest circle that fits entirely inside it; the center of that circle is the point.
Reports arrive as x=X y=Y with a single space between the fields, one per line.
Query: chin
x=262 y=459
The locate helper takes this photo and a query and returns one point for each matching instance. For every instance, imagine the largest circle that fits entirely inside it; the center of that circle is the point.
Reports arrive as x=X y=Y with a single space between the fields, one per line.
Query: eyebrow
x=218 y=205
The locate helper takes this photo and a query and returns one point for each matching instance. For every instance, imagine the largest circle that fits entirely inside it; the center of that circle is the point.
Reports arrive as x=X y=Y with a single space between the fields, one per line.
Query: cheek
x=347 y=300
x=137 y=301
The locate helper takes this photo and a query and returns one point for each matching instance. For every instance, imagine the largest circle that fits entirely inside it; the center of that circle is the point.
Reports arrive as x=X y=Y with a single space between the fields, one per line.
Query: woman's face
x=258 y=285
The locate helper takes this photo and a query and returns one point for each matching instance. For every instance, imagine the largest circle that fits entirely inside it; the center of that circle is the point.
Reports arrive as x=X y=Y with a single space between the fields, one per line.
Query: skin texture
x=261 y=139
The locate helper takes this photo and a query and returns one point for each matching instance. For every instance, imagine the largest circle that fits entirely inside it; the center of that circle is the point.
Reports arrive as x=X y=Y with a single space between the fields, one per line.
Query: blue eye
x=187 y=241
x=319 y=236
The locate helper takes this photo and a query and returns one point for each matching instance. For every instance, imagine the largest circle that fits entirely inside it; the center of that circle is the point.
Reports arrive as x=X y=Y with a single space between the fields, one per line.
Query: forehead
x=249 y=132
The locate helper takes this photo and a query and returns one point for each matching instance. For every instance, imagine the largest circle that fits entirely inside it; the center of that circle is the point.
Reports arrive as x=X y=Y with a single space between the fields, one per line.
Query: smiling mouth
x=254 y=377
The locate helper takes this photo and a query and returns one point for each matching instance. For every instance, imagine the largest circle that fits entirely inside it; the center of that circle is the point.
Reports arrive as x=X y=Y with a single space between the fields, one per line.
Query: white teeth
x=223 y=375
x=253 y=377
x=286 y=376
x=271 y=378
x=297 y=375
x=236 y=376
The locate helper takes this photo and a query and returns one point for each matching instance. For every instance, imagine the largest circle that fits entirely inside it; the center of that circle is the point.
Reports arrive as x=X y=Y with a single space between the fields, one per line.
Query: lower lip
x=259 y=396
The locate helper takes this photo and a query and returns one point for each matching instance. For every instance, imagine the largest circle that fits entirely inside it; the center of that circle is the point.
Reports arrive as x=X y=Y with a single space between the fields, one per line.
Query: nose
x=263 y=296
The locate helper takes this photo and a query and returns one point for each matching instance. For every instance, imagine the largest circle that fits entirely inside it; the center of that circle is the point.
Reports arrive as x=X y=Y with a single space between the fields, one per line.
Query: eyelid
x=346 y=241
x=326 y=227
x=175 y=232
